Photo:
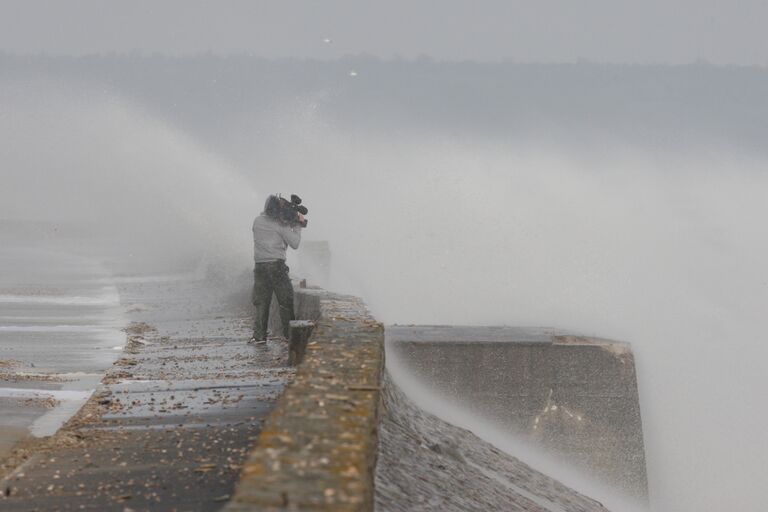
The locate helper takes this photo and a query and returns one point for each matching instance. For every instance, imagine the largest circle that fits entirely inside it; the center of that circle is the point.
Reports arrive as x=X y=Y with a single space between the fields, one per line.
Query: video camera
x=286 y=211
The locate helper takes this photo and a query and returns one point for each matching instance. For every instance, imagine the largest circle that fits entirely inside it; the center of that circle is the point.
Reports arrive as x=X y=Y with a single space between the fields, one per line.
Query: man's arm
x=291 y=235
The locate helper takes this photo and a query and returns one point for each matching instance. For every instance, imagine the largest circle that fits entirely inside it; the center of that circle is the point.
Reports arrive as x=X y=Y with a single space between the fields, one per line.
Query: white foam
x=59 y=300
x=41 y=319
x=50 y=422
x=93 y=329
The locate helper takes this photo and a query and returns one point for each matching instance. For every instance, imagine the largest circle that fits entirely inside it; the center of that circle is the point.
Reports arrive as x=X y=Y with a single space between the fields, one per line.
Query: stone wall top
x=317 y=450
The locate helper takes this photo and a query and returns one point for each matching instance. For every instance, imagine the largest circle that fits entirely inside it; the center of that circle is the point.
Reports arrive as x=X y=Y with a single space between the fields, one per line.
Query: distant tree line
x=211 y=96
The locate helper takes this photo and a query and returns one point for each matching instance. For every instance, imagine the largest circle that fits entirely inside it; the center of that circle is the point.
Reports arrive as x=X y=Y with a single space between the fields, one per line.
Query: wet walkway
x=60 y=321
x=174 y=418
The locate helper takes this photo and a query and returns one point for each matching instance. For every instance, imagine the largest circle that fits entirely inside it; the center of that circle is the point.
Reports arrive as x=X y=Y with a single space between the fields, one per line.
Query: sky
x=615 y=31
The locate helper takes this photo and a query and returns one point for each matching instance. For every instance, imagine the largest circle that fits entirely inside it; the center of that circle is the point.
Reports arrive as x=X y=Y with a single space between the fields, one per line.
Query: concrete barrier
x=573 y=396
x=317 y=449
x=428 y=465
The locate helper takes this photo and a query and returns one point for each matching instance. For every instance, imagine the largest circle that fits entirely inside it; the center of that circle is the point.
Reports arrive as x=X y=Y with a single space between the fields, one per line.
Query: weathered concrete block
x=301 y=330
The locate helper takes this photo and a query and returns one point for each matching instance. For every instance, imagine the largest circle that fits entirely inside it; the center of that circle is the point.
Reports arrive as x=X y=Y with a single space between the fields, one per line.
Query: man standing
x=273 y=231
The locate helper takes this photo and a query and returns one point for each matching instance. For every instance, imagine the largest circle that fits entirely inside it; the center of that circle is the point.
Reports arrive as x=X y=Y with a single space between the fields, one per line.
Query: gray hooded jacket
x=271 y=239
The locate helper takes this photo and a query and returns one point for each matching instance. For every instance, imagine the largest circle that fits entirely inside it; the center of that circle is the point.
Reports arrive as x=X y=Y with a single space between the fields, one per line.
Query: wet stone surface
x=173 y=420
x=427 y=464
x=318 y=447
x=573 y=397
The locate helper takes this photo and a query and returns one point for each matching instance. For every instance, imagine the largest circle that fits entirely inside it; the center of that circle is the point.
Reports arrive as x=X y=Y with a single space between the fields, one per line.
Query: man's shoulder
x=263 y=220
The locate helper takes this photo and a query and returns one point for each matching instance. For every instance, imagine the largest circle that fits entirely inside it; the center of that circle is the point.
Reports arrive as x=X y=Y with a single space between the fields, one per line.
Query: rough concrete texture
x=573 y=396
x=317 y=450
x=173 y=420
x=426 y=464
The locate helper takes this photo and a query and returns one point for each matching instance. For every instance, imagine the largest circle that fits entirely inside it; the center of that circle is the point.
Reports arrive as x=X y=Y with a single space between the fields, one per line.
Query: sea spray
x=147 y=191
x=660 y=247
x=664 y=249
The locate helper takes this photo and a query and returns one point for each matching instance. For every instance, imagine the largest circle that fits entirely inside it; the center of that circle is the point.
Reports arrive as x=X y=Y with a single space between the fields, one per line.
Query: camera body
x=286 y=211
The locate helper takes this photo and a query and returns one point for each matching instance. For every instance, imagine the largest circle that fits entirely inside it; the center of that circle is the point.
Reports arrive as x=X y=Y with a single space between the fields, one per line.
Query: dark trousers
x=269 y=277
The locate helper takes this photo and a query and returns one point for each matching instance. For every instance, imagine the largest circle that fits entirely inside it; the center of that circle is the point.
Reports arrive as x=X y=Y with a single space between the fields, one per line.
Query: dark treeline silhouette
x=213 y=97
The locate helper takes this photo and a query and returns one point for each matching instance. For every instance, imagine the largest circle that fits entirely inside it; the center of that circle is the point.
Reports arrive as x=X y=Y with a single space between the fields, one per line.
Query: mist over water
x=661 y=248
x=77 y=154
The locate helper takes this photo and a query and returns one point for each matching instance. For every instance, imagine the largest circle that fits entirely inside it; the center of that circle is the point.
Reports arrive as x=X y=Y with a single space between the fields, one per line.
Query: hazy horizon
x=364 y=56
x=664 y=32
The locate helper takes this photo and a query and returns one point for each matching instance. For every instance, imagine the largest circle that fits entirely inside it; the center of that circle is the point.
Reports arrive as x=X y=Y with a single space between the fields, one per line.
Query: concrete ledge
x=575 y=396
x=317 y=450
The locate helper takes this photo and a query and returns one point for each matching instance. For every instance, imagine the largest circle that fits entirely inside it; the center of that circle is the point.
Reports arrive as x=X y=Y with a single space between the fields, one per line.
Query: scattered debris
x=189 y=404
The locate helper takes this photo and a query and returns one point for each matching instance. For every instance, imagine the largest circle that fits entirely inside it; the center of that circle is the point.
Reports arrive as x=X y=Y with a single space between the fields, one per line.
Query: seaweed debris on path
x=172 y=421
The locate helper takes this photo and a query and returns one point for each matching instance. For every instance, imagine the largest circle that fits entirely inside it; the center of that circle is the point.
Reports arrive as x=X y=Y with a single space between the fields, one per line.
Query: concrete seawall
x=429 y=465
x=574 y=397
x=318 y=448
x=192 y=417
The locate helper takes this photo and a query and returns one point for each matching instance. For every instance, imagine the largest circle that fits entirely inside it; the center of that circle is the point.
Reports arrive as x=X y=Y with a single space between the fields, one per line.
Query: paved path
x=174 y=418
